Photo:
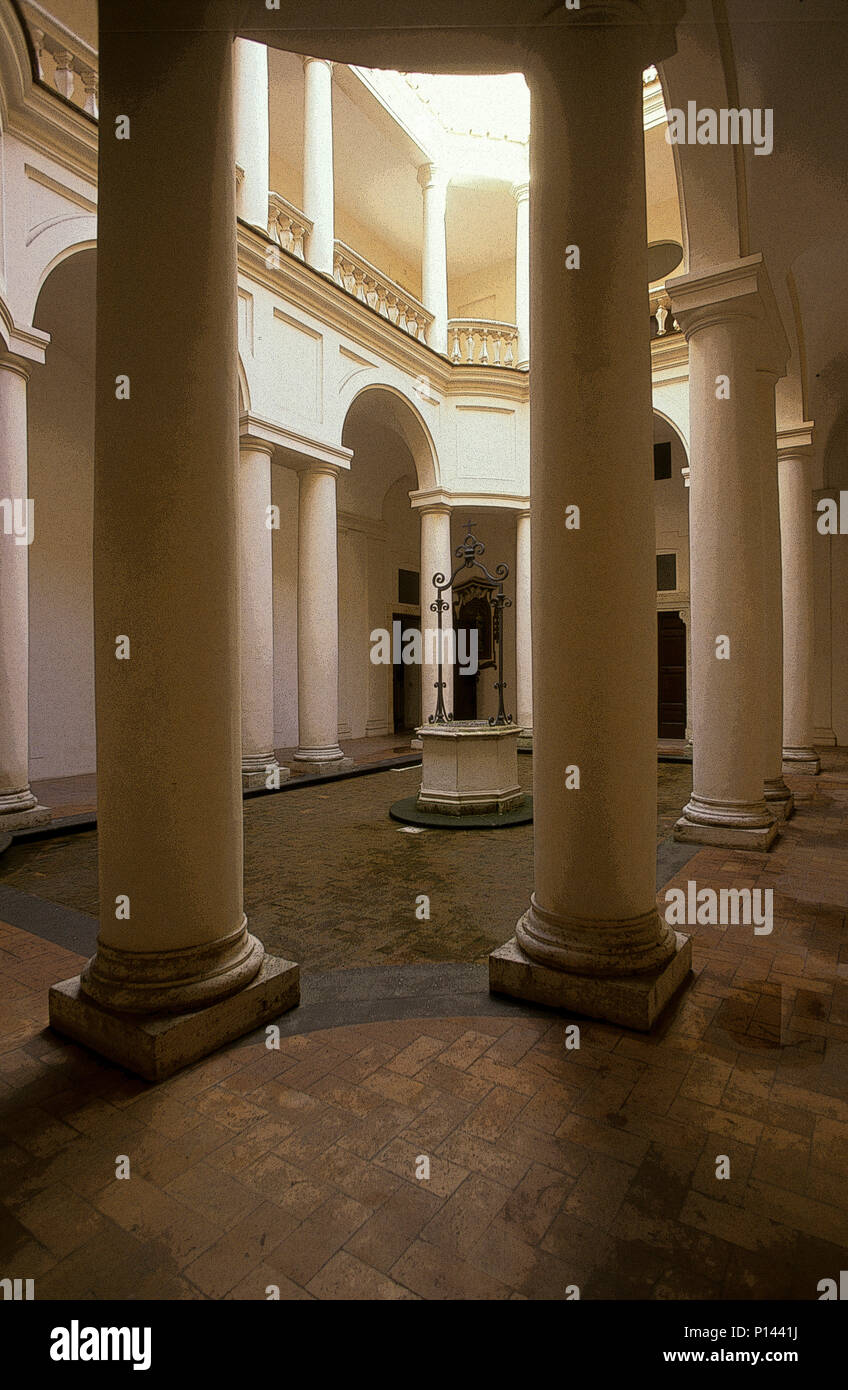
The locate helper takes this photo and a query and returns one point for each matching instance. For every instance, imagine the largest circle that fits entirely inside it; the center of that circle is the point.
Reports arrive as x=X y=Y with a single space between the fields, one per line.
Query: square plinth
x=469 y=768
x=728 y=836
x=634 y=1001
x=155 y=1046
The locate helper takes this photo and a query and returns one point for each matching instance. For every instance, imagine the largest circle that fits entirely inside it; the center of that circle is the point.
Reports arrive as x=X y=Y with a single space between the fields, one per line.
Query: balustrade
x=483 y=342
x=64 y=61
x=370 y=286
x=287 y=225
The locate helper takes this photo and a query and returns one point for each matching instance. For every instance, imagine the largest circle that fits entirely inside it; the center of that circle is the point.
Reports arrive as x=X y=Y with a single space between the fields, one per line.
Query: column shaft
x=777 y=795
x=318 y=621
x=19 y=809
x=318 y=180
x=593 y=912
x=523 y=626
x=521 y=193
x=434 y=255
x=796 y=530
x=259 y=766
x=251 y=130
x=436 y=558
x=173 y=935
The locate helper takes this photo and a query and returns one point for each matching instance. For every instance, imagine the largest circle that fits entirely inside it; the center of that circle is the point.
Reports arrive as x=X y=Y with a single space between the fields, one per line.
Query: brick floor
x=300 y=1169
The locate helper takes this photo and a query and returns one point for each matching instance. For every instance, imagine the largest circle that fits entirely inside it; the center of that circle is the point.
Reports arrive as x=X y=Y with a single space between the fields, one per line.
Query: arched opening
x=671 y=516
x=61 y=455
x=380 y=583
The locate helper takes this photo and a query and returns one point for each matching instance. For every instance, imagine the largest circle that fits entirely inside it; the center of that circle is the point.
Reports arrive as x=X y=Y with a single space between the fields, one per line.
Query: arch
x=710 y=178
x=399 y=415
x=16 y=61
x=674 y=426
x=243 y=388
x=61 y=254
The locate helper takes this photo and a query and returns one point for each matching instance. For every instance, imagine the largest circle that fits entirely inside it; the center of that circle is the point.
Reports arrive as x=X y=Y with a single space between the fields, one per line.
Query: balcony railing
x=662 y=322
x=370 y=286
x=64 y=61
x=483 y=342
x=287 y=225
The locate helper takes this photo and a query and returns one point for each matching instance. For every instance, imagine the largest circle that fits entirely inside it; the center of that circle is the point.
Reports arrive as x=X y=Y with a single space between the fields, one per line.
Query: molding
x=350 y=521
x=797 y=440
x=304 y=449
x=432 y=499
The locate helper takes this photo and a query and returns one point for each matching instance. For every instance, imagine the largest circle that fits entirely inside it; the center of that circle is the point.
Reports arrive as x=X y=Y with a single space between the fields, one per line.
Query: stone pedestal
x=470 y=768
x=633 y=1001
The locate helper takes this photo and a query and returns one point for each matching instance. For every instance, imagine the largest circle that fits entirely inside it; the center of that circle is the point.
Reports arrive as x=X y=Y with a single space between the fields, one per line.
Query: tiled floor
x=548 y=1167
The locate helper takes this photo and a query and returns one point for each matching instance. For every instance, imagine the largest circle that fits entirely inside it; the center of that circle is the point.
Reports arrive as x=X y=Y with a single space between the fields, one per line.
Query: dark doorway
x=406 y=683
x=671 y=665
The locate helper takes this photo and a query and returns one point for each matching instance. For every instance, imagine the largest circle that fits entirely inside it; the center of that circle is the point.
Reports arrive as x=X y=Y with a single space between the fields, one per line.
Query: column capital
x=521 y=191
x=325 y=62
x=796 y=442
x=434 y=501
x=651 y=24
x=432 y=175
x=732 y=292
x=317 y=467
x=253 y=444
x=11 y=362
x=522 y=513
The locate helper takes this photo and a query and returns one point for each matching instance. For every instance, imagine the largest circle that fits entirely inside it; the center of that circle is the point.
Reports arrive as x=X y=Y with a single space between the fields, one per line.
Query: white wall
x=284 y=489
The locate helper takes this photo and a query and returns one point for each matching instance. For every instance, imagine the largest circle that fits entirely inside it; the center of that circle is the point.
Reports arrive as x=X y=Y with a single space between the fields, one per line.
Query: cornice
x=299 y=450
x=735 y=289
x=443 y=499
x=798 y=440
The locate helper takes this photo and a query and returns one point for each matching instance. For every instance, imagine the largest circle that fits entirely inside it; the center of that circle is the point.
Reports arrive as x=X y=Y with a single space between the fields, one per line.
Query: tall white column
x=592 y=939
x=796 y=532
x=19 y=808
x=523 y=626
x=778 y=796
x=318 y=622
x=250 y=61
x=732 y=327
x=434 y=255
x=175 y=960
x=318 y=180
x=521 y=194
x=259 y=766
x=379 y=676
x=436 y=558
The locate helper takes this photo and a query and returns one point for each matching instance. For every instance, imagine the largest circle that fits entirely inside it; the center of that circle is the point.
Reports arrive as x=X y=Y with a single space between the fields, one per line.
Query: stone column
x=521 y=194
x=731 y=324
x=796 y=534
x=176 y=973
x=318 y=181
x=592 y=939
x=318 y=622
x=777 y=795
x=19 y=808
x=259 y=766
x=434 y=255
x=436 y=558
x=251 y=130
x=523 y=631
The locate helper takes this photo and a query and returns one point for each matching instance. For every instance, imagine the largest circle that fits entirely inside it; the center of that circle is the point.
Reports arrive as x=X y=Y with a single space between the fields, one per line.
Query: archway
x=61 y=456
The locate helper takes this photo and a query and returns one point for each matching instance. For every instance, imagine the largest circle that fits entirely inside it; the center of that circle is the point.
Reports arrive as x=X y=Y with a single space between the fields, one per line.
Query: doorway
x=406 y=682
x=671 y=670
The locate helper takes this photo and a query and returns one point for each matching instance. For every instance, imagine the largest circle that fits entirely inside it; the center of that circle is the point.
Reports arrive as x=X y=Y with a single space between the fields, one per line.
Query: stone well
x=469 y=767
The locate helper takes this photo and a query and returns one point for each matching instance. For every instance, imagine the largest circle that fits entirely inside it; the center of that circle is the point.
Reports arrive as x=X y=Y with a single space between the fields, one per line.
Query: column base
x=734 y=824
x=778 y=797
x=801 y=762
x=416 y=744
x=21 y=811
x=633 y=1001
x=256 y=771
x=525 y=742
x=155 y=1045
x=321 y=760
